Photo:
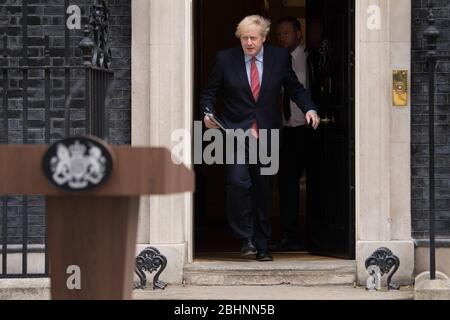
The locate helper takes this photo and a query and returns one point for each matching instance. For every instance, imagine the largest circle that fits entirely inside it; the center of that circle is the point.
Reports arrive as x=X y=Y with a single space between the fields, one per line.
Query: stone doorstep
x=270 y=278
x=241 y=272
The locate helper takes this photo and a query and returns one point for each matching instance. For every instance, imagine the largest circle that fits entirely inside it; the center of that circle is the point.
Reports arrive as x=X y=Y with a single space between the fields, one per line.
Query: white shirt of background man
x=299 y=66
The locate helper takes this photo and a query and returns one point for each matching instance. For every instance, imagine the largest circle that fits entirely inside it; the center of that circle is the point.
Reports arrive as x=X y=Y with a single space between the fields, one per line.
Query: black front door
x=330 y=182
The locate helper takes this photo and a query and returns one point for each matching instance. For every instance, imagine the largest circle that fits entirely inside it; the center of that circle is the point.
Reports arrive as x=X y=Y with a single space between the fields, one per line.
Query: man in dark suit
x=251 y=78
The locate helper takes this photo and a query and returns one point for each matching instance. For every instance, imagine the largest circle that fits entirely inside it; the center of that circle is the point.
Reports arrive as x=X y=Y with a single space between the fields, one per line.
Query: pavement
x=278 y=292
x=39 y=289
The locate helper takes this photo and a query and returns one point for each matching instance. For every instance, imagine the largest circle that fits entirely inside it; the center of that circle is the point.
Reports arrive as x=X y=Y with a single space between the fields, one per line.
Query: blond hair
x=255 y=19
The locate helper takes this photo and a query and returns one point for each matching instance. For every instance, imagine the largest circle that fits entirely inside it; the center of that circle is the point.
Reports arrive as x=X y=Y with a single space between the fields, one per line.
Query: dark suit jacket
x=229 y=75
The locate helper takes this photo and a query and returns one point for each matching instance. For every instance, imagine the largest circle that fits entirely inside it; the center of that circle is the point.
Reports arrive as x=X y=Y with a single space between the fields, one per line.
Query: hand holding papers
x=215 y=119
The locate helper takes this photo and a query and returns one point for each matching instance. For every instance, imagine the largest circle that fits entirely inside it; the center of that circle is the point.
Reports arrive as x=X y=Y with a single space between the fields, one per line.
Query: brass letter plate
x=400 y=88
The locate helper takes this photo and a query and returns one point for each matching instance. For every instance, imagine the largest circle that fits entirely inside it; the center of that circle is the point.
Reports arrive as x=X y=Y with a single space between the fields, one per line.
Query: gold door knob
x=327 y=120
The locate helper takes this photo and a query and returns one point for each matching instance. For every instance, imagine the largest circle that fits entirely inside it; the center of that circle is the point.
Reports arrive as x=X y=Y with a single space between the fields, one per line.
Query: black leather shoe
x=264 y=256
x=285 y=245
x=247 y=248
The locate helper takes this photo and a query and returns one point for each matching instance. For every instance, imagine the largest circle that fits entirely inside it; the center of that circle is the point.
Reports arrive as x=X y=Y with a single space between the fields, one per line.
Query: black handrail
x=432 y=34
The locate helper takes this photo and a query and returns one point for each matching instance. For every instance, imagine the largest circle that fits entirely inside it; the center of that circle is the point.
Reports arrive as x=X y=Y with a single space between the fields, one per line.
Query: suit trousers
x=293 y=161
x=249 y=201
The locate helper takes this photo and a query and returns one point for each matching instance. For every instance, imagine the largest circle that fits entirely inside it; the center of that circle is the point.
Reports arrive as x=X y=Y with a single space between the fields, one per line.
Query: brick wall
x=47 y=17
x=419 y=123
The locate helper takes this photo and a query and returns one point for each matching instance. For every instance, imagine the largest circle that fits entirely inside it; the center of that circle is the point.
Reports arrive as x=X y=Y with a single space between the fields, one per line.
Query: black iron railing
x=33 y=112
x=432 y=58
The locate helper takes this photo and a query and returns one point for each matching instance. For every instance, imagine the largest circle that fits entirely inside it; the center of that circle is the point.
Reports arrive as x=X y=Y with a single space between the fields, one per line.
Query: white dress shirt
x=259 y=65
x=299 y=66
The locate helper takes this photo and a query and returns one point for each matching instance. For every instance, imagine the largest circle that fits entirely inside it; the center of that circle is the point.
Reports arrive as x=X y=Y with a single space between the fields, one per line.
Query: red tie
x=254 y=82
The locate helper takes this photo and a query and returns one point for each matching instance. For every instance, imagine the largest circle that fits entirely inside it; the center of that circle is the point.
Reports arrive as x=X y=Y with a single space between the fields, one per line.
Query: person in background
x=294 y=139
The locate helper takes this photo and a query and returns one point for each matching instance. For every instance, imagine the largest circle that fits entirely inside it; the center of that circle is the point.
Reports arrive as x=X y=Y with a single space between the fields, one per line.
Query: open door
x=329 y=211
x=330 y=182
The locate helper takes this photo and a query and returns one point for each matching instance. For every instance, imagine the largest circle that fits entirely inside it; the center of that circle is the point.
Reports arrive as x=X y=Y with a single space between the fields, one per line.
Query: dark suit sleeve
x=209 y=93
x=297 y=92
